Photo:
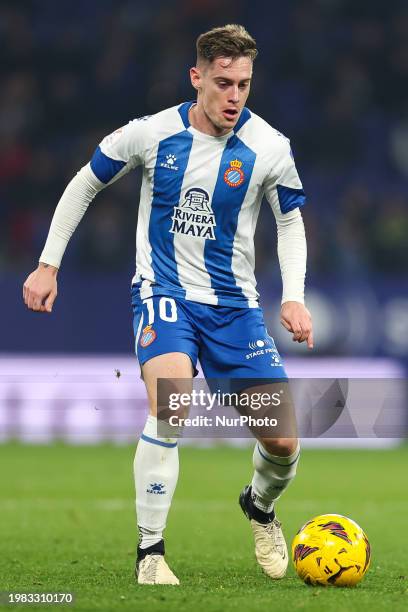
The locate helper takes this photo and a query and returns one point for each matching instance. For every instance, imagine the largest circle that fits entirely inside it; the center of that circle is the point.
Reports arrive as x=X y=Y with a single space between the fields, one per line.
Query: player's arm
x=40 y=287
x=286 y=196
x=115 y=156
x=295 y=317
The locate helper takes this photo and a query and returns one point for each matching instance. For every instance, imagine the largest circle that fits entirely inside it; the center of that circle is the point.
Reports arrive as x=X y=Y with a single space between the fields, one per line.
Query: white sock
x=156 y=468
x=271 y=477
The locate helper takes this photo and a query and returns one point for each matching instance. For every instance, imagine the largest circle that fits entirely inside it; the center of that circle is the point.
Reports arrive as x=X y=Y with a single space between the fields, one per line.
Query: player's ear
x=195 y=76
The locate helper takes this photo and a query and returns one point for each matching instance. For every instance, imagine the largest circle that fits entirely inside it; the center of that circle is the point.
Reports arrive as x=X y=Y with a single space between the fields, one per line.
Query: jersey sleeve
x=283 y=187
x=284 y=191
x=120 y=152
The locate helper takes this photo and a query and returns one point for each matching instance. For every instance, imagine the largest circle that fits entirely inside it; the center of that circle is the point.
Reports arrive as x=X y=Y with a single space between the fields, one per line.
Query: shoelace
x=150 y=567
x=273 y=529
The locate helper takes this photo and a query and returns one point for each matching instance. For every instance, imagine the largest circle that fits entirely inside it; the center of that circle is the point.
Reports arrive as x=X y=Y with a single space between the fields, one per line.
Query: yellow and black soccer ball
x=331 y=549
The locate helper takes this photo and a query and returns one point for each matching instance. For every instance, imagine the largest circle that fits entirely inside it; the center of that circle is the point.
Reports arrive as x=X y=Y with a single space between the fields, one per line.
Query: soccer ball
x=331 y=549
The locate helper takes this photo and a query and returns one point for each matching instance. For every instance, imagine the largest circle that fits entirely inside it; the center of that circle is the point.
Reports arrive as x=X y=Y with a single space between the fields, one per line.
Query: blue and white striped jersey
x=200 y=200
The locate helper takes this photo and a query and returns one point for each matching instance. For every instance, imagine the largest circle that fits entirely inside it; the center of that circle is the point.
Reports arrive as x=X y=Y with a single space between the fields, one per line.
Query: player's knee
x=281 y=447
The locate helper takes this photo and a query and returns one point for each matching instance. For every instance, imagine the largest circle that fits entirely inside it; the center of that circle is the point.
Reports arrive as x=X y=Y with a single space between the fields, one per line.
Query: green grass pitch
x=67 y=524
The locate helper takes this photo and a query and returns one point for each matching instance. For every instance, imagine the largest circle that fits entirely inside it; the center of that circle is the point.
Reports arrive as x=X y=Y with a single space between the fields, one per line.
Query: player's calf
x=280 y=447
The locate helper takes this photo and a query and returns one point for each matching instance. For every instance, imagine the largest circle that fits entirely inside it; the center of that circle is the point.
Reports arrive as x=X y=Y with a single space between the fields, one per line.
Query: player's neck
x=199 y=121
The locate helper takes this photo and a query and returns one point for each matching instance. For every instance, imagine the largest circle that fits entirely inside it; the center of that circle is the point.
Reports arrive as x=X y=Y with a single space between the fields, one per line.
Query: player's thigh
x=165 y=343
x=165 y=374
x=239 y=355
x=238 y=346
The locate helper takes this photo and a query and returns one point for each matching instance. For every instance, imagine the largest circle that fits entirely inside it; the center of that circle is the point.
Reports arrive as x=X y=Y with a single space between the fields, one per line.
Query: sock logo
x=156 y=488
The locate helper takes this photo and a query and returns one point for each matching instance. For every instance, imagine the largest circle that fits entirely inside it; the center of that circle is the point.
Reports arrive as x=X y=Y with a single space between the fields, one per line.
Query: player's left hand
x=296 y=318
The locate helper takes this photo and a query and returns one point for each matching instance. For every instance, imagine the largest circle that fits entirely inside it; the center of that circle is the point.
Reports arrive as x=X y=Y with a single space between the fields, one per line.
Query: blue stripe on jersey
x=103 y=167
x=185 y=107
x=245 y=115
x=226 y=204
x=183 y=110
x=290 y=198
x=166 y=194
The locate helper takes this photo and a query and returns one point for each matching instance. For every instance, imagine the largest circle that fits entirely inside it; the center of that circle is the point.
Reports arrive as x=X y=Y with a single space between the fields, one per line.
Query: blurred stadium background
x=331 y=75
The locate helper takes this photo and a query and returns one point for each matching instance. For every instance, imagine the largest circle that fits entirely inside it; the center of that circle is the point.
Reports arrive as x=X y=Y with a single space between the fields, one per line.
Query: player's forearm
x=292 y=255
x=72 y=206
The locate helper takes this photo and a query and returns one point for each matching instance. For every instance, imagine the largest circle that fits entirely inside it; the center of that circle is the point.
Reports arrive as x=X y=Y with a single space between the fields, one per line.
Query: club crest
x=234 y=176
x=148 y=336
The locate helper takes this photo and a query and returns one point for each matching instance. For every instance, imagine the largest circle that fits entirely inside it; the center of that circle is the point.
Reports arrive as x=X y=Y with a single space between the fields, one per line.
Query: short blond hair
x=231 y=40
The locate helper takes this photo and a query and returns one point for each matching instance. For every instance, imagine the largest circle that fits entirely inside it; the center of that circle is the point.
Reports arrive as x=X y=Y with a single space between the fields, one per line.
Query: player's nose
x=234 y=95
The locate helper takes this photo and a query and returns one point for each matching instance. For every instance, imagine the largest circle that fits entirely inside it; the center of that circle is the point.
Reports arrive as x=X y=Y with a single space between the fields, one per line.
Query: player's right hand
x=40 y=288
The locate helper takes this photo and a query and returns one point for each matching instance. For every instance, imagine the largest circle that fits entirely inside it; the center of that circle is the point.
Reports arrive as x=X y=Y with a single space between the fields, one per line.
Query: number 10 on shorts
x=167 y=310
x=154 y=310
